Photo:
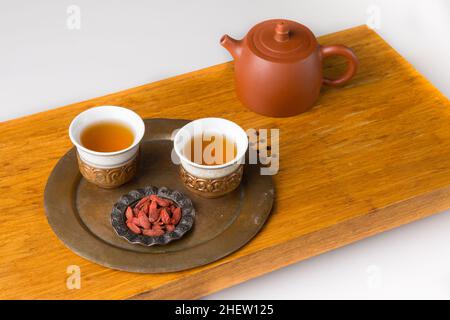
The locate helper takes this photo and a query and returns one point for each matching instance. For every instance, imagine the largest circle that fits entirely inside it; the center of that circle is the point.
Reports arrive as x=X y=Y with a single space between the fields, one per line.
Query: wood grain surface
x=372 y=155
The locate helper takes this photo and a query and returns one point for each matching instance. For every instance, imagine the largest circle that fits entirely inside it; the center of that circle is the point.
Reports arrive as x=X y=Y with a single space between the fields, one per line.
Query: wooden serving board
x=369 y=157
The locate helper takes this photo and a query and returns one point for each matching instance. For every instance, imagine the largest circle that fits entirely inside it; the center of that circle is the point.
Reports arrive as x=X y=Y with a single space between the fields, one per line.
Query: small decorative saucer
x=131 y=198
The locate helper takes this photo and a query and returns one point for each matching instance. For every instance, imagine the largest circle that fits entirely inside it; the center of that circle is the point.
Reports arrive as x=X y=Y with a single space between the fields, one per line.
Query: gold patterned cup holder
x=211 y=181
x=108 y=178
x=107 y=169
x=212 y=188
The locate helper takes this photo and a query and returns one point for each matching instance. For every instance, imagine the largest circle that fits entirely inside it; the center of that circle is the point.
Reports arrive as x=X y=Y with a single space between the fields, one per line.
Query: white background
x=45 y=64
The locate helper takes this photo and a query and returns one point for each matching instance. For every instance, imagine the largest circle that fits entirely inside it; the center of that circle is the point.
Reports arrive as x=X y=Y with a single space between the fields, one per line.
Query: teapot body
x=278 y=67
x=278 y=89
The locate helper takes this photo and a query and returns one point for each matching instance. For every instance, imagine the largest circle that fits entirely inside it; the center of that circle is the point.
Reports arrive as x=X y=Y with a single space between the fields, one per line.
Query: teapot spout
x=232 y=45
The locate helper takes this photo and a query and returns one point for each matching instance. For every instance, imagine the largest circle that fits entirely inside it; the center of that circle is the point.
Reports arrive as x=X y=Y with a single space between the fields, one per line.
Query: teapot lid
x=281 y=40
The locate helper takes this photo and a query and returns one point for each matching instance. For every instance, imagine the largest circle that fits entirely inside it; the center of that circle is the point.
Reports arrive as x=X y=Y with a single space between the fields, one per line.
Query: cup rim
x=235 y=160
x=137 y=140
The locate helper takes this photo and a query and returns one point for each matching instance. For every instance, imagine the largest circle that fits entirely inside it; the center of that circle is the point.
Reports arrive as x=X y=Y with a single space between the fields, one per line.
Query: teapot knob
x=281 y=31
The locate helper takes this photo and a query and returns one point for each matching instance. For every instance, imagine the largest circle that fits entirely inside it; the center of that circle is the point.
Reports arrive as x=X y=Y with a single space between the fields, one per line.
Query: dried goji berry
x=157 y=226
x=144 y=208
x=176 y=216
x=143 y=220
x=153 y=232
x=160 y=201
x=165 y=218
x=153 y=212
x=141 y=202
x=129 y=213
x=134 y=228
x=136 y=221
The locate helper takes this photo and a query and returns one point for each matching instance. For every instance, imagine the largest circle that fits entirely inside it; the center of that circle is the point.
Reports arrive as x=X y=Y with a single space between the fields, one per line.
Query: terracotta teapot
x=278 y=67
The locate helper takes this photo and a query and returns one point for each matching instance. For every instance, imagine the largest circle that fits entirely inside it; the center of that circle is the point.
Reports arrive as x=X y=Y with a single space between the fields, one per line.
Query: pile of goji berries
x=153 y=216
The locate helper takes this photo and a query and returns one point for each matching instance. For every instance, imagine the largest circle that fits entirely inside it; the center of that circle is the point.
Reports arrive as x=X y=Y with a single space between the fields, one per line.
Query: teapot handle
x=352 y=65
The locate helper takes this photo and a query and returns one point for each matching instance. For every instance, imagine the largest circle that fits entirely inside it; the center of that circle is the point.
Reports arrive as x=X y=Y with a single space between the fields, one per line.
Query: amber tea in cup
x=211 y=149
x=107 y=136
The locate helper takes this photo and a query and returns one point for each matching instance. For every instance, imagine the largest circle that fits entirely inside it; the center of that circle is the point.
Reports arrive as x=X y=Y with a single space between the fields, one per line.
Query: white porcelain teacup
x=211 y=181
x=107 y=169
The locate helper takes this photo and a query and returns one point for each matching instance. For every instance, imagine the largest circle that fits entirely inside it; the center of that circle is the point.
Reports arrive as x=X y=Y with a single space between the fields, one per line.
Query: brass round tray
x=79 y=212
